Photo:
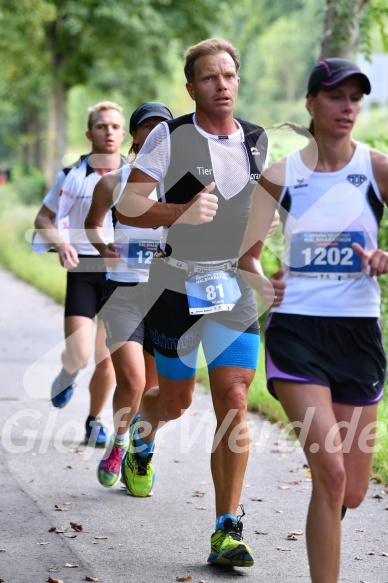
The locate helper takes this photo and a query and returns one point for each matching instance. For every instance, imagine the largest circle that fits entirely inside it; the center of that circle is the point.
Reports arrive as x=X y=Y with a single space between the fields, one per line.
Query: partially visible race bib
x=211 y=292
x=326 y=255
x=141 y=252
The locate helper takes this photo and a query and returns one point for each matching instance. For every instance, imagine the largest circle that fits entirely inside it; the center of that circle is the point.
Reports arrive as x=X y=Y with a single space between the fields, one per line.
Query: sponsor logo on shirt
x=301 y=183
x=356 y=179
x=204 y=171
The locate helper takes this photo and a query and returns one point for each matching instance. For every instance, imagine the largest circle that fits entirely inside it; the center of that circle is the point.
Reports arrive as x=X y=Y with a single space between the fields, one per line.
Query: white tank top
x=326 y=213
x=137 y=245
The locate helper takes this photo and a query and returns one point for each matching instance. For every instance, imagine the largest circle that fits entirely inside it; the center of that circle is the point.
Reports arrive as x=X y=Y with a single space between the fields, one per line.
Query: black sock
x=88 y=420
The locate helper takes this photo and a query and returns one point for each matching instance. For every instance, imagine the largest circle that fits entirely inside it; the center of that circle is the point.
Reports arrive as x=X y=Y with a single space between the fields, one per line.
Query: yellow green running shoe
x=228 y=547
x=137 y=472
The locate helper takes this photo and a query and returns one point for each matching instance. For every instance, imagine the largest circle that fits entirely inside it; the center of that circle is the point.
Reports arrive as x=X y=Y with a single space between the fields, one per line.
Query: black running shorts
x=345 y=354
x=84 y=287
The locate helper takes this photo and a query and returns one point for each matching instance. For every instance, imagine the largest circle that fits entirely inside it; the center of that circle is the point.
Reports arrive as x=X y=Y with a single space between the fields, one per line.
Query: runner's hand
x=68 y=256
x=201 y=209
x=111 y=255
x=279 y=287
x=376 y=259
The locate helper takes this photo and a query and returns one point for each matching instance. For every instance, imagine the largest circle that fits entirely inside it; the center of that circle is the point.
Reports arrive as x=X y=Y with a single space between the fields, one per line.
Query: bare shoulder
x=107 y=187
x=110 y=180
x=380 y=170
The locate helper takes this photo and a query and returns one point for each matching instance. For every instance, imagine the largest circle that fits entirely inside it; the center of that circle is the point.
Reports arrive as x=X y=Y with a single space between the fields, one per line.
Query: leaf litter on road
x=198 y=494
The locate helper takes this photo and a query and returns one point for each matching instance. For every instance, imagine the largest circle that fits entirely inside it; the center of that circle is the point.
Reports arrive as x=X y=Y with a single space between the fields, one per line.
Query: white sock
x=120 y=438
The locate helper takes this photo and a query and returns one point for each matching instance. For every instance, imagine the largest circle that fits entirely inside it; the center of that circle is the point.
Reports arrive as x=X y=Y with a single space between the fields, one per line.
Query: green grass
x=380 y=459
x=45 y=273
x=42 y=271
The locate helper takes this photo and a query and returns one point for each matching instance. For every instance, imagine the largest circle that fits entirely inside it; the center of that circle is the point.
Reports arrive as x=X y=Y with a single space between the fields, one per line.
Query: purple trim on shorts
x=274 y=373
x=361 y=403
x=268 y=320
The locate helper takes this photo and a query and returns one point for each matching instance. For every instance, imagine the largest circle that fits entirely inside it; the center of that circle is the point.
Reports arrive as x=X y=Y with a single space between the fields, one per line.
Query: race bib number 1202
x=326 y=255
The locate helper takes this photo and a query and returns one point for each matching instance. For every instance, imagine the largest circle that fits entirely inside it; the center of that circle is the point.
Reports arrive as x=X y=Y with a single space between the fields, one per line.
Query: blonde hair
x=103 y=106
x=210 y=46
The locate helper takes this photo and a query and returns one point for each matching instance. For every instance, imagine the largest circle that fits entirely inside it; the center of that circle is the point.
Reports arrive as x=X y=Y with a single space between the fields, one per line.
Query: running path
x=48 y=479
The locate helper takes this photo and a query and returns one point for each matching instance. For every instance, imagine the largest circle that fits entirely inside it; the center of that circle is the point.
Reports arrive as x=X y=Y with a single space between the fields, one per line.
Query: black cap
x=330 y=73
x=146 y=110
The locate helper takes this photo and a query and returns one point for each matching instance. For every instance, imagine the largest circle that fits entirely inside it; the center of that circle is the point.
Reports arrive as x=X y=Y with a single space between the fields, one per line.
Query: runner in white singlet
x=68 y=203
x=324 y=354
x=128 y=257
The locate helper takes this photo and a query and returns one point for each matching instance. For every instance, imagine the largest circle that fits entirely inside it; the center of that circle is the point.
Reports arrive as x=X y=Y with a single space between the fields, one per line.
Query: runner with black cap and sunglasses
x=128 y=258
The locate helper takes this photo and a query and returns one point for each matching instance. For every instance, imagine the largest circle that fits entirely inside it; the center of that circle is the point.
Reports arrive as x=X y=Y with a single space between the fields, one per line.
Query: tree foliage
x=348 y=25
x=50 y=46
x=276 y=61
x=374 y=16
x=125 y=48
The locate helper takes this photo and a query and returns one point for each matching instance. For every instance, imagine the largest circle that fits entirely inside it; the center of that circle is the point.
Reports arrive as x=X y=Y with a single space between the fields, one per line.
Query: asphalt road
x=48 y=481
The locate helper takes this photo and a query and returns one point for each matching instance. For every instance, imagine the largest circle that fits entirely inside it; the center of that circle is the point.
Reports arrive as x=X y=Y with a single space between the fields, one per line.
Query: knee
x=337 y=485
x=334 y=481
x=233 y=400
x=105 y=365
x=130 y=386
x=76 y=355
x=78 y=360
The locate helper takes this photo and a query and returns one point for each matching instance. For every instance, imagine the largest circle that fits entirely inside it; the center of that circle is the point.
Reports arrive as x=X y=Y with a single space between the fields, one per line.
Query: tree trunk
x=57 y=131
x=31 y=134
x=57 y=110
x=38 y=130
x=341 y=28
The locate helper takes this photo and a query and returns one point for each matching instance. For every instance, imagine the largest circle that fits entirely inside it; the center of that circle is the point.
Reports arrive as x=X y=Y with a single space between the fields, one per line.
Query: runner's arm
x=45 y=223
x=263 y=209
x=135 y=209
x=375 y=261
x=102 y=200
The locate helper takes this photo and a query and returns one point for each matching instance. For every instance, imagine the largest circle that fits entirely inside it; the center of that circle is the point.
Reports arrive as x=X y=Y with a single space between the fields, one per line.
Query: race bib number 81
x=326 y=255
x=215 y=291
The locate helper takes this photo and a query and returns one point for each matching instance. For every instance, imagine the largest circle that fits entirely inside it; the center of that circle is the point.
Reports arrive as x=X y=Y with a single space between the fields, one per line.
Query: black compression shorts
x=169 y=317
x=84 y=287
